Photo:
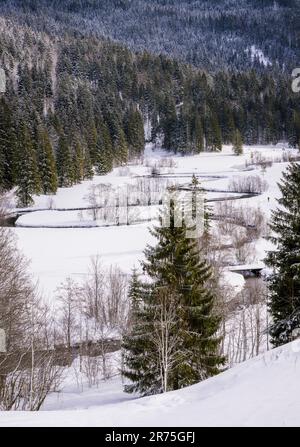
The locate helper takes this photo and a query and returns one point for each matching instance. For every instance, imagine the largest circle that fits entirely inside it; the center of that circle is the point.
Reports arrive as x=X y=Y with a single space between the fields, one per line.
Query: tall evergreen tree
x=8 y=146
x=197 y=190
x=88 y=172
x=284 y=283
x=28 y=179
x=92 y=138
x=121 y=147
x=227 y=125
x=104 y=150
x=46 y=162
x=198 y=134
x=135 y=295
x=78 y=162
x=213 y=133
x=134 y=128
x=237 y=143
x=140 y=365
x=64 y=163
x=169 y=125
x=177 y=271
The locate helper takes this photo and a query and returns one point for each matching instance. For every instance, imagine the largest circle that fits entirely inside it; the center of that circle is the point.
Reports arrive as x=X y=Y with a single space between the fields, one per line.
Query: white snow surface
x=261 y=392
x=257 y=53
x=56 y=253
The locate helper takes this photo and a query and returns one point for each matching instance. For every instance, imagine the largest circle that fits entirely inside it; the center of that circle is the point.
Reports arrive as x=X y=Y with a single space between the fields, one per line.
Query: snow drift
x=264 y=391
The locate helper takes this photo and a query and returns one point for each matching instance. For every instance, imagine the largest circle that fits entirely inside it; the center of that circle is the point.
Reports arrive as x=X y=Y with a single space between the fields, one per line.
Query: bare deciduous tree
x=27 y=369
x=252 y=184
x=245 y=323
x=165 y=336
x=68 y=294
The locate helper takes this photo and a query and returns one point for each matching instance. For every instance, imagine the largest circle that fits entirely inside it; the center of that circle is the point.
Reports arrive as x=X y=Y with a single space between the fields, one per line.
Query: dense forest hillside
x=211 y=34
x=76 y=104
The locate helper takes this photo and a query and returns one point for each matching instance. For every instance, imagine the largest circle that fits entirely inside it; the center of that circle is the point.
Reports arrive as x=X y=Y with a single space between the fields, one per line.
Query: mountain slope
x=261 y=392
x=211 y=34
x=85 y=100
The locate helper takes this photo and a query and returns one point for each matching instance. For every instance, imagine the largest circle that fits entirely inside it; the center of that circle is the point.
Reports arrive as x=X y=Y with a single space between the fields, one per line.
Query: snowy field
x=56 y=253
x=261 y=392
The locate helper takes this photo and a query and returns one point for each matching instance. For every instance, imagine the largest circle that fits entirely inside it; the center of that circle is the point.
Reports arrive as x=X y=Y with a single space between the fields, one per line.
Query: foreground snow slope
x=264 y=391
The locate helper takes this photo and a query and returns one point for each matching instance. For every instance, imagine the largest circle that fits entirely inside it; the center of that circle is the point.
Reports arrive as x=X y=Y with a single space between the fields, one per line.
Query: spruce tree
x=169 y=124
x=46 y=162
x=104 y=162
x=88 y=172
x=227 y=125
x=284 y=283
x=28 y=180
x=205 y=237
x=104 y=151
x=140 y=365
x=213 y=133
x=121 y=147
x=64 y=163
x=134 y=128
x=176 y=270
x=92 y=138
x=198 y=134
x=237 y=143
x=8 y=146
x=78 y=162
x=135 y=295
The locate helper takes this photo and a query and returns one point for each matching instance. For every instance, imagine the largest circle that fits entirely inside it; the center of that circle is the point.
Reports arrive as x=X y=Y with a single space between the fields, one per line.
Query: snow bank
x=264 y=391
x=56 y=254
x=235 y=280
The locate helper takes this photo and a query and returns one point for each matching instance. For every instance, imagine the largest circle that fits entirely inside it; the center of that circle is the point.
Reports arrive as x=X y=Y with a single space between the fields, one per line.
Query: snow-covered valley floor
x=264 y=391
x=57 y=253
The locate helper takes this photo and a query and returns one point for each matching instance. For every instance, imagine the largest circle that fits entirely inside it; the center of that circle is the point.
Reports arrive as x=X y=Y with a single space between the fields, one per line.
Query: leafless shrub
x=147 y=191
x=225 y=213
x=93 y=313
x=258 y=159
x=28 y=371
x=167 y=162
x=256 y=222
x=92 y=369
x=104 y=296
x=251 y=218
x=244 y=251
x=93 y=290
x=246 y=322
x=253 y=184
x=288 y=157
x=99 y=197
x=68 y=295
x=26 y=389
x=117 y=305
x=285 y=156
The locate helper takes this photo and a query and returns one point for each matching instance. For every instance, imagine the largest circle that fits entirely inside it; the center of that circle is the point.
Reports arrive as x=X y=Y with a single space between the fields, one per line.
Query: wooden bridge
x=248 y=270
